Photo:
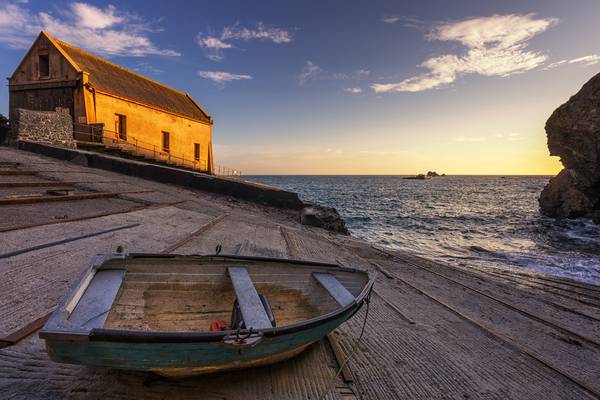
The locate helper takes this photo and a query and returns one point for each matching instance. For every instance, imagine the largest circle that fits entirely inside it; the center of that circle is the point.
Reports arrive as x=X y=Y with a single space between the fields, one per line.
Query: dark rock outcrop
x=419 y=177
x=573 y=132
x=323 y=217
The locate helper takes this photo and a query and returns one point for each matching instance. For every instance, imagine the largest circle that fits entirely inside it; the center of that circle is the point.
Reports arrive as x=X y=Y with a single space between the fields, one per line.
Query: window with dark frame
x=197 y=151
x=121 y=126
x=165 y=141
x=44 y=65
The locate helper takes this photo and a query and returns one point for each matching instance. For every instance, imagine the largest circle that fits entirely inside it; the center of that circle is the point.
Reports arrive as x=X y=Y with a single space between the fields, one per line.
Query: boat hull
x=189 y=358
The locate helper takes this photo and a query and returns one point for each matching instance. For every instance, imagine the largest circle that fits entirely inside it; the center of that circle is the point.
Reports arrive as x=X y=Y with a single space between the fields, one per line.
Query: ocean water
x=467 y=220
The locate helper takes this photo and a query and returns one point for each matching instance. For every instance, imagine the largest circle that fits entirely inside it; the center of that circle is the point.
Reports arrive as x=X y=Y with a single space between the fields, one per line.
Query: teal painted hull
x=201 y=355
x=77 y=332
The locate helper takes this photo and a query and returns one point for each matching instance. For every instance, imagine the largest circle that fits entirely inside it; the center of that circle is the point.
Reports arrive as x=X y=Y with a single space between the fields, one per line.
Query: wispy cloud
x=222 y=77
x=107 y=31
x=310 y=72
x=586 y=61
x=357 y=74
x=215 y=44
x=354 y=90
x=390 y=19
x=147 y=68
x=261 y=32
x=495 y=46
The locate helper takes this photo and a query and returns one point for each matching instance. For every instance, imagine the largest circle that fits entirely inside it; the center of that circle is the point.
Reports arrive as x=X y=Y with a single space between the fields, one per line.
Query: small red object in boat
x=218 y=325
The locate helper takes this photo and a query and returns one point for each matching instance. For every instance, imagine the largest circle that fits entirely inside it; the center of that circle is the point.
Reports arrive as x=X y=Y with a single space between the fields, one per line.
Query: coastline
x=443 y=330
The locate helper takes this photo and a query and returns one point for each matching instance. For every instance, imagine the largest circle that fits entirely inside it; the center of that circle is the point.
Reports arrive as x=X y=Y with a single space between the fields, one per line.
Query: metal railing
x=96 y=134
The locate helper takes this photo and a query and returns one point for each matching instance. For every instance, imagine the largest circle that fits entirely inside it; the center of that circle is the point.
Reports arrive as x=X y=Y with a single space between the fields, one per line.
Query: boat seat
x=252 y=309
x=335 y=288
x=237 y=320
x=94 y=305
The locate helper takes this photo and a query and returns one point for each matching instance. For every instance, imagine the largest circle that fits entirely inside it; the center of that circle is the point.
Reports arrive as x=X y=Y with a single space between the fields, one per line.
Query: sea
x=466 y=220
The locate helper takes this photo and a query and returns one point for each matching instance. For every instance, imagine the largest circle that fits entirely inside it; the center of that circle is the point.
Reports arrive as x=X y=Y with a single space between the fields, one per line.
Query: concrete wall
x=146 y=124
x=42 y=126
x=250 y=191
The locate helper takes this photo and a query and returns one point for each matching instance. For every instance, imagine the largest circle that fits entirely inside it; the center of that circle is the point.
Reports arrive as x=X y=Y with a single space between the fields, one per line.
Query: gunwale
x=57 y=327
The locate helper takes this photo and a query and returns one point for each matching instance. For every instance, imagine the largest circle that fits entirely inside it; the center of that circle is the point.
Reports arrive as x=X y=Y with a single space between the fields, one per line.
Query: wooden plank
x=335 y=288
x=21 y=333
x=8 y=172
x=252 y=309
x=192 y=235
x=93 y=307
x=63 y=241
x=45 y=199
x=35 y=184
x=340 y=358
x=88 y=212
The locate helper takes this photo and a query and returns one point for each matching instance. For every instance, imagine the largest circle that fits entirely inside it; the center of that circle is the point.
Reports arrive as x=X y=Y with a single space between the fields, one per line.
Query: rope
x=332 y=381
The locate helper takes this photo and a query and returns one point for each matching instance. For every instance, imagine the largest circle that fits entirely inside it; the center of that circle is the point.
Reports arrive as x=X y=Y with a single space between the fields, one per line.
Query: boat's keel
x=257 y=362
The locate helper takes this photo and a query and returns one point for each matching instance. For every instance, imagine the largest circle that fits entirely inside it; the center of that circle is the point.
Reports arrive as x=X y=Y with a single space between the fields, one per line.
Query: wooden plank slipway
x=433 y=331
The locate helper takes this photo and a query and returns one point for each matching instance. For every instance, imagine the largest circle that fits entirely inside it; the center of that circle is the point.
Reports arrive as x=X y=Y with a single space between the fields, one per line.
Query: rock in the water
x=573 y=132
x=323 y=217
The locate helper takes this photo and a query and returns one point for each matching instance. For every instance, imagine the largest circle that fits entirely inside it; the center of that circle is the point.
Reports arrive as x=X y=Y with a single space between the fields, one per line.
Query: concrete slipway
x=433 y=331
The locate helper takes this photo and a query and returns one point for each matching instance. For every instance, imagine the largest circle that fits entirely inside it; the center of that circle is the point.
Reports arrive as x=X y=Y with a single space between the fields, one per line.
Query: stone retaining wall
x=43 y=127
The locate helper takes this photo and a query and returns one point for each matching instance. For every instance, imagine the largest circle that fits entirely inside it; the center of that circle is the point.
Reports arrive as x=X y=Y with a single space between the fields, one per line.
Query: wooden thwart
x=97 y=299
x=335 y=288
x=252 y=308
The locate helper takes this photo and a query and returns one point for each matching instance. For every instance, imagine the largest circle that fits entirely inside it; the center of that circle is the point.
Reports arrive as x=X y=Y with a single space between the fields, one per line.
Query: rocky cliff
x=573 y=132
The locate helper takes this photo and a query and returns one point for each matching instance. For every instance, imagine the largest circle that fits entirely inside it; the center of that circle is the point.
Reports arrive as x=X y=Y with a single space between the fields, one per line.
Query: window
x=44 y=64
x=121 y=126
x=197 y=151
x=165 y=141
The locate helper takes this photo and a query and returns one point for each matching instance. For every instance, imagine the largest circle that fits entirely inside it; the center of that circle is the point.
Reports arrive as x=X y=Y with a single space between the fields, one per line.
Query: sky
x=345 y=87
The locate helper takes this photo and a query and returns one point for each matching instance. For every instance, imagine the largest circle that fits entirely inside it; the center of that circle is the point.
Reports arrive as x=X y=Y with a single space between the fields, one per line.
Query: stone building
x=109 y=103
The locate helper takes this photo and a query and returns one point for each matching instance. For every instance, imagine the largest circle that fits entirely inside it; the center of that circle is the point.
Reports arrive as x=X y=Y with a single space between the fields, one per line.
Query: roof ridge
x=62 y=42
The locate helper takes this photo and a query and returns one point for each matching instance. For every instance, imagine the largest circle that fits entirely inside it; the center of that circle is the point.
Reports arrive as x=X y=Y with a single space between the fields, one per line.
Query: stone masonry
x=54 y=127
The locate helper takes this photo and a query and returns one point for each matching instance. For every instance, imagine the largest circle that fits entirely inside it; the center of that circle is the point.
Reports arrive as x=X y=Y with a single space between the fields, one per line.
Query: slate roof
x=108 y=77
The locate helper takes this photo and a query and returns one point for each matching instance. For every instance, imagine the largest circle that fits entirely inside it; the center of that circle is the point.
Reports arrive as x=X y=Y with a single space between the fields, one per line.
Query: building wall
x=28 y=70
x=63 y=88
x=146 y=125
x=42 y=126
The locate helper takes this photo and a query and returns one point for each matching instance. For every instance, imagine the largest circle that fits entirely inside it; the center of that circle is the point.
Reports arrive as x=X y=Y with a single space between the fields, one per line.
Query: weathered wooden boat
x=165 y=313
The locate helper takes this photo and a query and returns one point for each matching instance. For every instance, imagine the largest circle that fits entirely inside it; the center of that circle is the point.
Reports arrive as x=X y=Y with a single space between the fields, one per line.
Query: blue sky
x=353 y=87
